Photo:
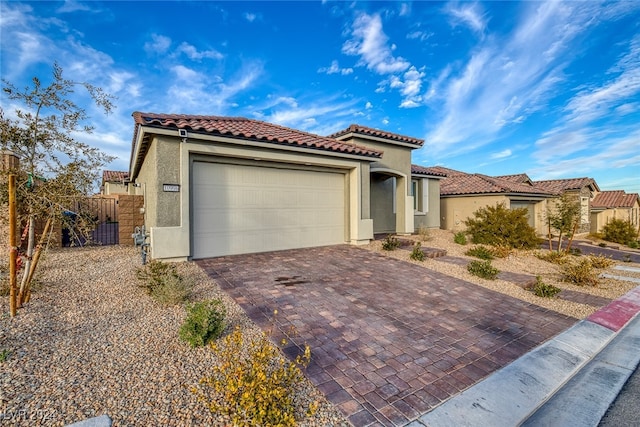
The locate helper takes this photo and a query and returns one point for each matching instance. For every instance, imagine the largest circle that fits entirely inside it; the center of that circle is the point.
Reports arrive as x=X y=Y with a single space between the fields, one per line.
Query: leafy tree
x=499 y=226
x=564 y=217
x=55 y=167
x=620 y=231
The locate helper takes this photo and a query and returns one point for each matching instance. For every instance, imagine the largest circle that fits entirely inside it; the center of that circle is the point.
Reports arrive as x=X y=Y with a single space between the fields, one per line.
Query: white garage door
x=243 y=209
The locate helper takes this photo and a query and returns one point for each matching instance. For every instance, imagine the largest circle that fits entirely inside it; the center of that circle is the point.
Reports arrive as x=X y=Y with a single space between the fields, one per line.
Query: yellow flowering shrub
x=253 y=384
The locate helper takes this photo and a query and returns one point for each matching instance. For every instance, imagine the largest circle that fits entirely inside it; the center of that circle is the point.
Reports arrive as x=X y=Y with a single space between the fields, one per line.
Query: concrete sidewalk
x=569 y=380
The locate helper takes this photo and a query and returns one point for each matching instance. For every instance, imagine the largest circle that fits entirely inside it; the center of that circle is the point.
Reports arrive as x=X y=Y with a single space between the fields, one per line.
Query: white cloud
x=469 y=14
x=405 y=9
x=193 y=53
x=385 y=121
x=421 y=35
x=73 y=6
x=501 y=154
x=368 y=105
x=251 y=17
x=158 y=45
x=334 y=68
x=369 y=42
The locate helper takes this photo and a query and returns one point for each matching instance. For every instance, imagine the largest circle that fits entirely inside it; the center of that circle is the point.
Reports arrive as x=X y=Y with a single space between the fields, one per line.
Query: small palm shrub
x=580 y=273
x=253 y=384
x=390 y=243
x=545 y=290
x=416 y=253
x=481 y=252
x=204 y=322
x=163 y=283
x=460 y=238
x=497 y=225
x=501 y=251
x=620 y=231
x=483 y=269
x=601 y=261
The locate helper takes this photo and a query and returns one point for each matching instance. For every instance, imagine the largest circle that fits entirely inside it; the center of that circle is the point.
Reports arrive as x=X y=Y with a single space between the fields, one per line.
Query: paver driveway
x=390 y=339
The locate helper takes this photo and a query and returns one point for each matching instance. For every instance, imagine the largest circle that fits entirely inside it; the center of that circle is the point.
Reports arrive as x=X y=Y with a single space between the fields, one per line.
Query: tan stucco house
x=583 y=190
x=461 y=194
x=114 y=182
x=608 y=205
x=217 y=186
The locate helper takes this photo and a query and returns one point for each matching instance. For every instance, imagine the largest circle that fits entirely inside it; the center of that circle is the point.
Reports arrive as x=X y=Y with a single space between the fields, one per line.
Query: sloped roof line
x=364 y=130
x=255 y=130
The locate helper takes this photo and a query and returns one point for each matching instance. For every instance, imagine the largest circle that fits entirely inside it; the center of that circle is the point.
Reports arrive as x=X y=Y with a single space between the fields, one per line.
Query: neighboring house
x=114 y=182
x=608 y=205
x=425 y=189
x=218 y=186
x=583 y=190
x=462 y=194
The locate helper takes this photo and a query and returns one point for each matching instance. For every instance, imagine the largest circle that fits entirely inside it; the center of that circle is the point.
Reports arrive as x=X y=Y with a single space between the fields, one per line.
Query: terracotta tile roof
x=614 y=199
x=421 y=170
x=254 y=130
x=363 y=130
x=446 y=171
x=519 y=178
x=560 y=185
x=468 y=184
x=114 y=176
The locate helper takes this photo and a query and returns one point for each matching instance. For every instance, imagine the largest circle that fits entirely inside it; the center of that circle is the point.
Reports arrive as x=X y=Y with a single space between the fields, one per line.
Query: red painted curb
x=618 y=313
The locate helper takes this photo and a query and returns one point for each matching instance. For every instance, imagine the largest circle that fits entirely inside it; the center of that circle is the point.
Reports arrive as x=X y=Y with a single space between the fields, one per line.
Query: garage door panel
x=243 y=209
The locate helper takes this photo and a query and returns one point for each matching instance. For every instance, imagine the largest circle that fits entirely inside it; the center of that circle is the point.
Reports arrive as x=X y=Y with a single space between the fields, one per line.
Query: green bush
x=483 y=269
x=252 y=384
x=580 y=273
x=544 y=290
x=497 y=225
x=390 y=243
x=416 y=253
x=481 y=252
x=204 y=322
x=634 y=244
x=460 y=238
x=163 y=283
x=4 y=355
x=620 y=231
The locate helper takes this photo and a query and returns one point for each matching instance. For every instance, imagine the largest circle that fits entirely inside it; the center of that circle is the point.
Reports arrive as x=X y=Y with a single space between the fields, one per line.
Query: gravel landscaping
x=91 y=342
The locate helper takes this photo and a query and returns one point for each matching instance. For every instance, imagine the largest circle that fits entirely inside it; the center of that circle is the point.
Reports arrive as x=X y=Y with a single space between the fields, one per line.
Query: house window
x=584 y=210
x=420 y=193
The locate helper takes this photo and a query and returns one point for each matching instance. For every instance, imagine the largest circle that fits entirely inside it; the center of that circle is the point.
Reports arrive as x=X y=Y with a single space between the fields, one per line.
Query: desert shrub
x=602 y=245
x=4 y=355
x=460 y=238
x=424 y=233
x=481 y=252
x=163 y=282
x=252 y=384
x=5 y=289
x=416 y=253
x=620 y=231
x=634 y=244
x=575 y=251
x=601 y=261
x=390 y=243
x=204 y=322
x=580 y=273
x=483 y=269
x=545 y=290
x=501 y=251
x=497 y=225
x=552 y=257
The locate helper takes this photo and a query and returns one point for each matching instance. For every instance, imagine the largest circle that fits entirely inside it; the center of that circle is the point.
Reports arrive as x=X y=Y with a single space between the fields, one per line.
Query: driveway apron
x=390 y=340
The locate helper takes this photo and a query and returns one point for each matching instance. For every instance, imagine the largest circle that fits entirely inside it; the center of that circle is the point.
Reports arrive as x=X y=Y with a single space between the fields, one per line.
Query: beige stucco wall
x=455 y=210
x=382 y=192
x=601 y=218
x=168 y=216
x=428 y=214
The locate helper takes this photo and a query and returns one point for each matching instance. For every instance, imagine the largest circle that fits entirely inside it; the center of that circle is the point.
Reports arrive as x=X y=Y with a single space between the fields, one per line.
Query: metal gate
x=93 y=220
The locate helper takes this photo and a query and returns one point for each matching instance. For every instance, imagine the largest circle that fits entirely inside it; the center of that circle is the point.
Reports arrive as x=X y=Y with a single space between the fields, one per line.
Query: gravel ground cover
x=522 y=262
x=91 y=342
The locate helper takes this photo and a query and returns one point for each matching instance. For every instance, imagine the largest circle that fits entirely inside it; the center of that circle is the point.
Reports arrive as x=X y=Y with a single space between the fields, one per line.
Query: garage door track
x=390 y=340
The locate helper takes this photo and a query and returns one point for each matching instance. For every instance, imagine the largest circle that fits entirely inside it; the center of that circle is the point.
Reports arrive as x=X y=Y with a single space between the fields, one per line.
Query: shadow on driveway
x=390 y=340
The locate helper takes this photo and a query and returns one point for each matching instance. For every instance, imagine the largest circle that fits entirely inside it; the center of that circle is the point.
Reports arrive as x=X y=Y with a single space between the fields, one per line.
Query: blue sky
x=551 y=89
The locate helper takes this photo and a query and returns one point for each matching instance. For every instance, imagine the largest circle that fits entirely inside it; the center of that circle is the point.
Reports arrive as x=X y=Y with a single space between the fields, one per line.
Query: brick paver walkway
x=390 y=340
